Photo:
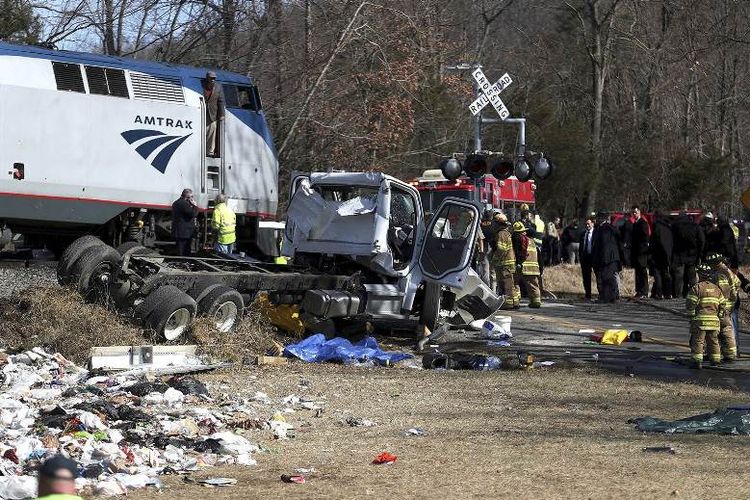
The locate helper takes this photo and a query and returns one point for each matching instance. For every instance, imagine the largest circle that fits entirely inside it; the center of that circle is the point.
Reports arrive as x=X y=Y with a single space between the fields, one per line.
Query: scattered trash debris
x=124 y=429
x=154 y=356
x=660 y=449
x=498 y=343
x=360 y=422
x=415 y=431
x=293 y=479
x=384 y=458
x=271 y=361
x=460 y=361
x=498 y=328
x=613 y=337
x=316 y=349
x=303 y=470
x=217 y=482
x=731 y=420
x=543 y=363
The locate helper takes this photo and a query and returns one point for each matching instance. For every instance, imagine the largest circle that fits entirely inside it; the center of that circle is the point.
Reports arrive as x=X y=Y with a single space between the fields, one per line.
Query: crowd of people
x=688 y=259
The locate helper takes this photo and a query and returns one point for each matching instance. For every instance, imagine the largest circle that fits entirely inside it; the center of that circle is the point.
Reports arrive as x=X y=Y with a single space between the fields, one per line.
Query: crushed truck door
x=446 y=250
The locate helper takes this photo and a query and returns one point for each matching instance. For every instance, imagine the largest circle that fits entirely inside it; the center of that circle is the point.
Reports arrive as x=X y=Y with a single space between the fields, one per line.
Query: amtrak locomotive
x=104 y=145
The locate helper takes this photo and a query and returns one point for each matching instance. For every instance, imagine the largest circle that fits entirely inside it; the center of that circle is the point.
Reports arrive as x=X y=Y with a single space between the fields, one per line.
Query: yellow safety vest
x=530 y=266
x=539 y=227
x=735 y=231
x=224 y=222
x=706 y=305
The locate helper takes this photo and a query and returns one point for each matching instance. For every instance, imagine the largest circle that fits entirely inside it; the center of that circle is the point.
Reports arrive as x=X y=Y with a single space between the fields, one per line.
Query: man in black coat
x=728 y=243
x=689 y=242
x=586 y=255
x=626 y=237
x=184 y=212
x=639 y=253
x=607 y=253
x=661 y=248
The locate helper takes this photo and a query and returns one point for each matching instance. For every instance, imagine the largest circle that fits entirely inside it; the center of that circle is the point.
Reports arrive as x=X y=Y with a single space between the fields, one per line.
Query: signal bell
x=451 y=168
x=475 y=166
x=542 y=168
x=501 y=168
x=523 y=171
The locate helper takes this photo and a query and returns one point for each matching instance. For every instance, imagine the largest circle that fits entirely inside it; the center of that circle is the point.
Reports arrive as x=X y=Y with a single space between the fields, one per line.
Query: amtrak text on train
x=168 y=122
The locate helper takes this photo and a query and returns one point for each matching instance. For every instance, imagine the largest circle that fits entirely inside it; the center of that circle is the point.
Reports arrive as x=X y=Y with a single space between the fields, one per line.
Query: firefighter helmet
x=518 y=227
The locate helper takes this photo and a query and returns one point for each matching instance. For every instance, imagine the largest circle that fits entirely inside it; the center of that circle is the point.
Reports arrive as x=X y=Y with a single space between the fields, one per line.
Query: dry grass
x=254 y=336
x=565 y=279
x=539 y=434
x=58 y=319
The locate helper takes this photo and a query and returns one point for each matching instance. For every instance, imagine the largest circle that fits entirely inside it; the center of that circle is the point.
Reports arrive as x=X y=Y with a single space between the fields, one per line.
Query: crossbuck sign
x=490 y=94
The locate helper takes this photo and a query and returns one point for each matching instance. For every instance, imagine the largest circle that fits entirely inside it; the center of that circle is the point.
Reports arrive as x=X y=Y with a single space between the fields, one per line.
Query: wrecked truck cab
x=371 y=218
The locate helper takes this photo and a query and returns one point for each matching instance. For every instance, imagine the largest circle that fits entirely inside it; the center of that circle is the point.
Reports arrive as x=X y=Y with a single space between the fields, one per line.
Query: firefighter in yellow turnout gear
x=729 y=284
x=504 y=263
x=527 y=264
x=706 y=307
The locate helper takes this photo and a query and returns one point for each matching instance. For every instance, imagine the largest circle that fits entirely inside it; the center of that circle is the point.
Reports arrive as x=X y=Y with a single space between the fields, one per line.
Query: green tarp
x=733 y=420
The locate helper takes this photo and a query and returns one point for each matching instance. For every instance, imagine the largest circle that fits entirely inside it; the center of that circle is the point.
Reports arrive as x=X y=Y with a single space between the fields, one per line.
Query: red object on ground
x=293 y=479
x=597 y=337
x=11 y=455
x=384 y=458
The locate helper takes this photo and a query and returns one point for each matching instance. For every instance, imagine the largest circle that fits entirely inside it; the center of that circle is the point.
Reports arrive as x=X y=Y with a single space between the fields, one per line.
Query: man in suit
x=214 y=96
x=607 y=253
x=586 y=256
x=639 y=253
x=184 y=212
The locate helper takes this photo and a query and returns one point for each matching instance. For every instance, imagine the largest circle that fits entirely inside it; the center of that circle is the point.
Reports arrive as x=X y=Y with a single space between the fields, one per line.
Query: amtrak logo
x=166 y=144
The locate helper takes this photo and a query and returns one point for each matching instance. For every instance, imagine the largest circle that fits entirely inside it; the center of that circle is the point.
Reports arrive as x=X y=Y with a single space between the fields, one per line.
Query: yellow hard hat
x=518 y=227
x=524 y=207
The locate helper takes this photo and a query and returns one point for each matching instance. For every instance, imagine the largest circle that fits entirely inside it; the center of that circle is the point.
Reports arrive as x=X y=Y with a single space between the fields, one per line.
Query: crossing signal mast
x=522 y=163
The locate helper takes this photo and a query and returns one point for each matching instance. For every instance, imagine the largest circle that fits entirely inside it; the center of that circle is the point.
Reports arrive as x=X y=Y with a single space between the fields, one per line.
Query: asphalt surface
x=553 y=333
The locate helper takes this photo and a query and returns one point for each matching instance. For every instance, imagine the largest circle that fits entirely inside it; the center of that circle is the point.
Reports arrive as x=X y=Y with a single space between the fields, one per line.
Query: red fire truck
x=507 y=194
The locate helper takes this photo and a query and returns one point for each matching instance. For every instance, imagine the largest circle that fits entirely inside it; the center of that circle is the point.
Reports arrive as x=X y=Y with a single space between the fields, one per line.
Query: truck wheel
x=153 y=299
x=173 y=316
x=71 y=255
x=430 y=316
x=94 y=271
x=223 y=306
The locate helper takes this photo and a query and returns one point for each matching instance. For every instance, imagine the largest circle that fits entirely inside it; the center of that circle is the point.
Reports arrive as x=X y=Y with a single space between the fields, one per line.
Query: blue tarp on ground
x=316 y=349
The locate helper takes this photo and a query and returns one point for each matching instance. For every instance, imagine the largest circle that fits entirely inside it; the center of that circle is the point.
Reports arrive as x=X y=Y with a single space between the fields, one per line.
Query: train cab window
x=230 y=96
x=106 y=81
x=242 y=97
x=68 y=77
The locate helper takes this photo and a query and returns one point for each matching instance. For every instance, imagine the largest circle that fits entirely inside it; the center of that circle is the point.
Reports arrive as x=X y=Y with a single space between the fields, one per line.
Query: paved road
x=552 y=333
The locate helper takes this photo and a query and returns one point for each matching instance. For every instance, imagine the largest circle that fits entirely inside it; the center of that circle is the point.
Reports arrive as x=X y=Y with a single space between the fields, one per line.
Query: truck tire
x=153 y=299
x=430 y=316
x=223 y=306
x=71 y=254
x=172 y=317
x=94 y=270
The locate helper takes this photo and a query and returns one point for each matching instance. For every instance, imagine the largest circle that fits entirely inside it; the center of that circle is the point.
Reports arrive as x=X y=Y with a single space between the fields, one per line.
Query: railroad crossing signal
x=490 y=94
